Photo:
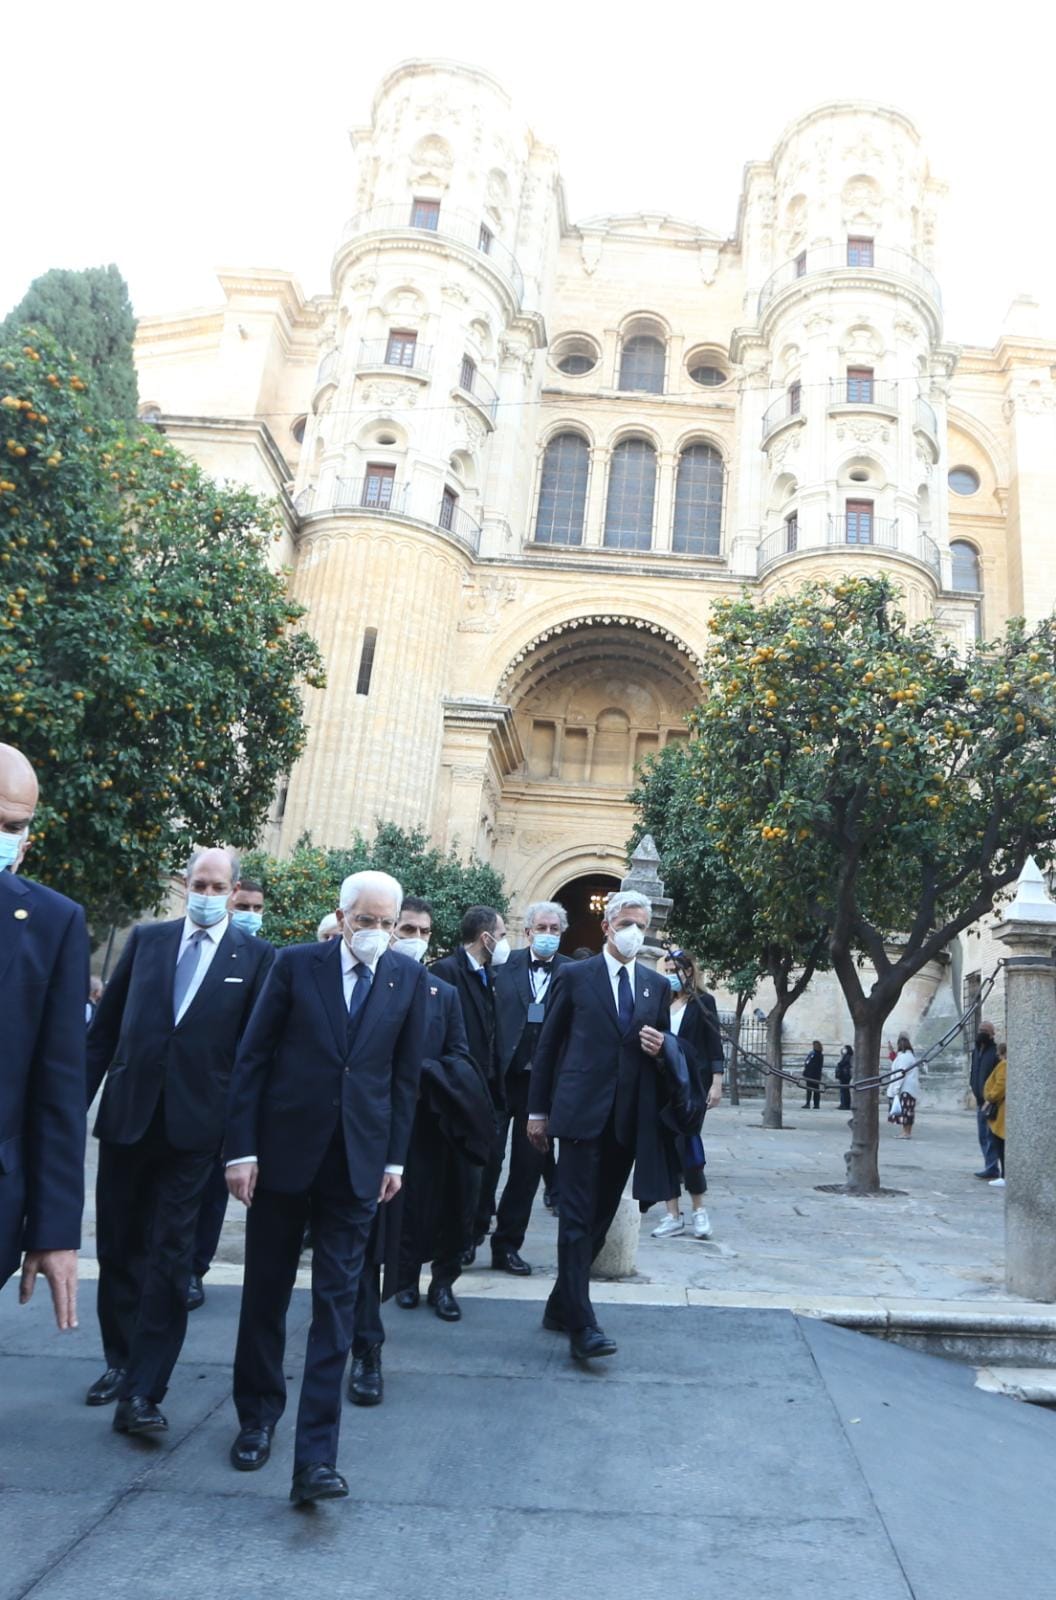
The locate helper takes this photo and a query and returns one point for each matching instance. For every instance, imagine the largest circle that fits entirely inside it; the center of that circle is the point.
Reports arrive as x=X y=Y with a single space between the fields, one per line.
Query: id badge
x=536 y=1011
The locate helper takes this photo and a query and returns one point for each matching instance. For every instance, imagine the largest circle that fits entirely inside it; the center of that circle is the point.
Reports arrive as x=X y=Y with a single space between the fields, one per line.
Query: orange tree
x=150 y=661
x=719 y=914
x=854 y=769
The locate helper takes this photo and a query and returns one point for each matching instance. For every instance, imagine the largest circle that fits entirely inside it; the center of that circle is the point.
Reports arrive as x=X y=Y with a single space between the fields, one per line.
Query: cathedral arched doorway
x=584 y=900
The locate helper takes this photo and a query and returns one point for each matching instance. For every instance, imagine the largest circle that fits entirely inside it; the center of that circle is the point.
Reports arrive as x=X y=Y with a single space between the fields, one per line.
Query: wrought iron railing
x=405 y=357
x=929 y=552
x=833 y=258
x=371 y=493
x=926 y=418
x=782 y=542
x=863 y=392
x=385 y=497
x=486 y=396
x=859 y=530
x=460 y=227
x=327 y=370
x=786 y=405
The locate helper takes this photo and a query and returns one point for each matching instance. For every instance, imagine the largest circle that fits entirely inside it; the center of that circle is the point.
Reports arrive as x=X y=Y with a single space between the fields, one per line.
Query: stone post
x=644 y=876
x=1029 y=932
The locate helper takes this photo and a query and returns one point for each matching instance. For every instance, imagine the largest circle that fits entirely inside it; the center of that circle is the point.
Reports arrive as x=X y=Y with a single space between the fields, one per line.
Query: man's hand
x=60 y=1269
x=715 y=1093
x=652 y=1041
x=391 y=1184
x=242 y=1181
x=537 y=1135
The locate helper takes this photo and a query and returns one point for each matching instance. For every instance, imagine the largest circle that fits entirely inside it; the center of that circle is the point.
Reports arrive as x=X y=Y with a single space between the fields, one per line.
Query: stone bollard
x=618 y=1256
x=1029 y=931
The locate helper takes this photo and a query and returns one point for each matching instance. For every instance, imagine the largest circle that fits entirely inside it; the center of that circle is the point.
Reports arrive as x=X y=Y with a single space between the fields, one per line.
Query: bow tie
x=540 y=966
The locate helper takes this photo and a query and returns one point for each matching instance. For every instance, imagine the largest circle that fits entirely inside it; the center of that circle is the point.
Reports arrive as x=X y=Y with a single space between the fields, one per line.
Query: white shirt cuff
x=397 y=1172
x=537 y=1116
x=240 y=1161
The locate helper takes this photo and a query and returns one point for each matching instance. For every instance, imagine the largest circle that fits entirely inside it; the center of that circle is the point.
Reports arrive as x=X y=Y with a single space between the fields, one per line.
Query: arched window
x=642 y=364
x=965 y=573
x=698 y=502
x=563 y=490
x=632 y=491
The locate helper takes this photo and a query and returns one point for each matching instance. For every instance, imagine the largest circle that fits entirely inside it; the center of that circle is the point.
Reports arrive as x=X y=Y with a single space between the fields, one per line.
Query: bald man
x=164 y=1040
x=44 y=983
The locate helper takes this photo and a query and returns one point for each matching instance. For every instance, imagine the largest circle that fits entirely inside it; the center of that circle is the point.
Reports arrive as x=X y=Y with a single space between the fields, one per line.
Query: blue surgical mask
x=10 y=845
x=206 y=910
x=544 y=945
x=674 y=980
x=248 y=921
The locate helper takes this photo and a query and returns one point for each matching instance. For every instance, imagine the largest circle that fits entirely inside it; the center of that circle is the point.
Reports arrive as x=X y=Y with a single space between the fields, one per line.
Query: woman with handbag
x=903 y=1090
x=695 y=1022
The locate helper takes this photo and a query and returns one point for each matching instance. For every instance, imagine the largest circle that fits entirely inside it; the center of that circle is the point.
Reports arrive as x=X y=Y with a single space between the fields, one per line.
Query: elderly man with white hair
x=593 y=1087
x=321 y=1109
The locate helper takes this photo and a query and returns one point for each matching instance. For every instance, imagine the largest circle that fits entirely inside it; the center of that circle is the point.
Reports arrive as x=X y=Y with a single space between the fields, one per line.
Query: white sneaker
x=701 y=1224
x=669 y=1225
x=996 y=1183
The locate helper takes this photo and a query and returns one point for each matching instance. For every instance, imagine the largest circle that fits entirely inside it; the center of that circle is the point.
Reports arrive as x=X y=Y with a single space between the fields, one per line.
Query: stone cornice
x=234 y=429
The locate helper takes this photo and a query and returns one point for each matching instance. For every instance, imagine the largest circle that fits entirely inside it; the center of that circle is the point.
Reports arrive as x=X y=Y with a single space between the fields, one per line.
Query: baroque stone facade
x=519 y=458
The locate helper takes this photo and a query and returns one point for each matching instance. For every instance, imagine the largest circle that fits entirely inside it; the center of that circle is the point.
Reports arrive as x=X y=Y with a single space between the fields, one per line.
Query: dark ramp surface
x=742 y=1454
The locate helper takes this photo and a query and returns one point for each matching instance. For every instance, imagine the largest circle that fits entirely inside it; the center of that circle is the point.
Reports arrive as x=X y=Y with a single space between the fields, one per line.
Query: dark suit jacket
x=513 y=996
x=700 y=1037
x=296 y=1080
x=135 y=1044
x=44 y=983
x=453 y=1086
x=582 y=1054
x=478 y=1013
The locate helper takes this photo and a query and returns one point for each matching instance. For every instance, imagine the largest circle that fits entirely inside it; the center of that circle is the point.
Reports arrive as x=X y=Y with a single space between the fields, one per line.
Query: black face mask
x=982 y=1039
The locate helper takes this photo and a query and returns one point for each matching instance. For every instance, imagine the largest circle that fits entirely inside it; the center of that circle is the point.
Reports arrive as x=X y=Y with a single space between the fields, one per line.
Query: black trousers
x=369 y=1329
x=812 y=1090
x=845 y=1097
x=210 y=1219
x=525 y=1171
x=274 y=1231
x=441 y=1189
x=591 y=1175
x=147 y=1201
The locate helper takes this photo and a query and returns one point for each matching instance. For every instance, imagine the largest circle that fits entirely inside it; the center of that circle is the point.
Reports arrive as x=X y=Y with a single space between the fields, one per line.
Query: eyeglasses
x=386 y=924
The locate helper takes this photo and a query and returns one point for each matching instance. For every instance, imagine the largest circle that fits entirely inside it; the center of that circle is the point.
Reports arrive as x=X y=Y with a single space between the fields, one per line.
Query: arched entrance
x=583 y=899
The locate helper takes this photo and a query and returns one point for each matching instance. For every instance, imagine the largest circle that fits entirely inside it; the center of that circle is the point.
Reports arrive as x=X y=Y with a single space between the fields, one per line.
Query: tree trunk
x=863 y=1163
x=735 y=1051
x=772 y=1103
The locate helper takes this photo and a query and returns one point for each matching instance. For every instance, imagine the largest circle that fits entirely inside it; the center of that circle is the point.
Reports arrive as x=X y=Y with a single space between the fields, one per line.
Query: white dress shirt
x=615 y=968
x=540 y=981
x=349 y=979
x=206 y=952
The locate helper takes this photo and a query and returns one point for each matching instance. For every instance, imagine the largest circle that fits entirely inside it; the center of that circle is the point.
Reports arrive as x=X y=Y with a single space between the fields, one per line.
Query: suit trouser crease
x=210 y=1219
x=525 y=1170
x=148 y=1198
x=341 y=1225
x=591 y=1175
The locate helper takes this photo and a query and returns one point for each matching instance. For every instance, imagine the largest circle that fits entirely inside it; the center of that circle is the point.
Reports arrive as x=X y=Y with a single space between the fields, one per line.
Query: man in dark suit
x=44 y=981
x=471 y=971
x=164 y=1038
x=432 y=1217
x=247 y=913
x=604 y=1029
x=322 y=1104
x=522 y=994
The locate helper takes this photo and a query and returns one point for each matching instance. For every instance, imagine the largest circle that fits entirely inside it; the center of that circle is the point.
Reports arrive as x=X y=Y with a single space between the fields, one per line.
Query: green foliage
x=301 y=889
x=89 y=315
x=149 y=662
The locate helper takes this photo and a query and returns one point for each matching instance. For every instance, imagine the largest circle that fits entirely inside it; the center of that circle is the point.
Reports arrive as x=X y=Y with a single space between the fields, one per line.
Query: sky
x=175 y=140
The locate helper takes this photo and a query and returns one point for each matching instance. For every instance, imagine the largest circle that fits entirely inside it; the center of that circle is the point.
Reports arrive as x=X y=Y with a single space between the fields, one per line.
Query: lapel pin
x=432 y=988
x=645 y=992
x=21 y=915
x=392 y=983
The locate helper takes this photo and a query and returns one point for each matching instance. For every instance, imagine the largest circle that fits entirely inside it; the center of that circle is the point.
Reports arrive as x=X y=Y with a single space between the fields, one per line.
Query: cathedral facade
x=519 y=458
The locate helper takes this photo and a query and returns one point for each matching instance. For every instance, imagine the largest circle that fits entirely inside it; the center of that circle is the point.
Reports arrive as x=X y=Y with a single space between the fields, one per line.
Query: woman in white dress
x=903 y=1090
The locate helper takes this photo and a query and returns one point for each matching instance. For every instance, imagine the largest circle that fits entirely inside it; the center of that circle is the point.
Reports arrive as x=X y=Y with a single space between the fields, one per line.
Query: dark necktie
x=482 y=974
x=625 y=1001
x=360 y=995
x=186 y=968
x=540 y=966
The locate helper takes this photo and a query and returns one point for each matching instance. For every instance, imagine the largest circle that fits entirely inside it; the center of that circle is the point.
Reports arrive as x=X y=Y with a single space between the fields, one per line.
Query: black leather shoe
x=444 y=1303
x=553 y=1323
x=251 y=1449
x=468 y=1257
x=503 y=1259
x=589 y=1343
x=317 y=1482
x=550 y=1199
x=104 y=1390
x=137 y=1414
x=366 y=1386
x=407 y=1299
x=195 y=1293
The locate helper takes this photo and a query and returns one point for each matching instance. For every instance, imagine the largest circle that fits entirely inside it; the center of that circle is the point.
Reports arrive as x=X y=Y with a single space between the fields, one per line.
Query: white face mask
x=368 y=944
x=500 y=952
x=628 y=940
x=414 y=948
x=10 y=845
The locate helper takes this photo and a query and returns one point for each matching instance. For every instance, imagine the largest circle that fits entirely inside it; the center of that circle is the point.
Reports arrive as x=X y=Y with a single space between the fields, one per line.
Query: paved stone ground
x=778 y=1241
x=746 y=1454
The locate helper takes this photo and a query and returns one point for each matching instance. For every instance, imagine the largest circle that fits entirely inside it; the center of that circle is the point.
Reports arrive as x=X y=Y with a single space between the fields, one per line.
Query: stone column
x=644 y=875
x=1029 y=932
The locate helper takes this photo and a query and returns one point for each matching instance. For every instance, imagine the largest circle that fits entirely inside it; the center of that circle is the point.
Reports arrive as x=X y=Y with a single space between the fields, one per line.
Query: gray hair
x=365 y=883
x=627 y=897
x=547 y=908
x=328 y=926
x=232 y=856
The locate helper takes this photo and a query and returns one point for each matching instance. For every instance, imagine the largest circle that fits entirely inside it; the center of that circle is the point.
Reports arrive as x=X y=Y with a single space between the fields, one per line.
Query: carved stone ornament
x=482 y=601
x=455 y=293
x=863 y=432
x=817 y=323
x=590 y=248
x=788 y=444
x=380 y=392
